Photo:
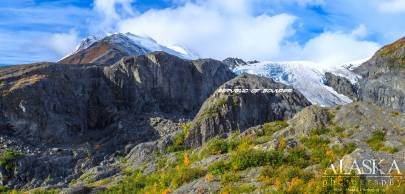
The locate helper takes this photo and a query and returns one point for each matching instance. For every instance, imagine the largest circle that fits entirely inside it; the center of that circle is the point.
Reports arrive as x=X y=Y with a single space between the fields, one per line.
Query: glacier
x=306 y=77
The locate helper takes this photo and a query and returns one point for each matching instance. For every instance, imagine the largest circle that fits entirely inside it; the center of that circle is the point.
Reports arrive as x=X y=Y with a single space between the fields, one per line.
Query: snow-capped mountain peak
x=127 y=44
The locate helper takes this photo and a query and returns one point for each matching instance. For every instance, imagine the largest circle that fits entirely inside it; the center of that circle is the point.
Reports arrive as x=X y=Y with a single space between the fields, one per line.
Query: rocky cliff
x=96 y=110
x=225 y=112
x=383 y=75
x=341 y=85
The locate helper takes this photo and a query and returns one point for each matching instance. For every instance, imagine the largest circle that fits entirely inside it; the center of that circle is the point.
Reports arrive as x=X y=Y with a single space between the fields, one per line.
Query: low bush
x=230 y=177
x=270 y=128
x=254 y=158
x=178 y=143
x=7 y=159
x=376 y=142
x=319 y=131
x=297 y=157
x=236 y=189
x=220 y=146
x=314 y=141
x=218 y=167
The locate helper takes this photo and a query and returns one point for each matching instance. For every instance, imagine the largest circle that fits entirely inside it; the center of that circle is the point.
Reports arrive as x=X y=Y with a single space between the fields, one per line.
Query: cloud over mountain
x=219 y=29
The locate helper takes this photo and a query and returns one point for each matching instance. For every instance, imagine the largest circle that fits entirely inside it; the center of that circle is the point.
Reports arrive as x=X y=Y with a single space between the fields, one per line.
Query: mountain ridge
x=110 y=48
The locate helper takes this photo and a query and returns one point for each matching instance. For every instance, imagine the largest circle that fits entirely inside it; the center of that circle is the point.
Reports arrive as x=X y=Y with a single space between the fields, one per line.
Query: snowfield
x=306 y=77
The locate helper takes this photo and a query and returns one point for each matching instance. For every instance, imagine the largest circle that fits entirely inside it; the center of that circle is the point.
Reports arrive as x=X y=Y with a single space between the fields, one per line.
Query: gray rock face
x=98 y=109
x=341 y=85
x=386 y=91
x=384 y=77
x=361 y=118
x=174 y=83
x=54 y=103
x=200 y=185
x=226 y=112
x=234 y=62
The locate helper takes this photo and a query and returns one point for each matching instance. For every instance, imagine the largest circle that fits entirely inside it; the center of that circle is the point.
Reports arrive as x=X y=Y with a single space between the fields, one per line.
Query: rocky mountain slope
x=157 y=123
x=111 y=48
x=384 y=77
x=226 y=112
x=382 y=80
x=341 y=85
x=84 y=114
x=281 y=156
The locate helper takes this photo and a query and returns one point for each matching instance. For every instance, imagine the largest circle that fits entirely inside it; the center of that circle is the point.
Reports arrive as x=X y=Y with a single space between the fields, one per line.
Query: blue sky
x=325 y=31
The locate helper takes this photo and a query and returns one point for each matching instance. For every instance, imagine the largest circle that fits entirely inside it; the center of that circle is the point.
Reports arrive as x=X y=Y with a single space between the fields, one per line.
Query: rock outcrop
x=341 y=85
x=383 y=75
x=98 y=108
x=360 y=119
x=225 y=111
x=234 y=62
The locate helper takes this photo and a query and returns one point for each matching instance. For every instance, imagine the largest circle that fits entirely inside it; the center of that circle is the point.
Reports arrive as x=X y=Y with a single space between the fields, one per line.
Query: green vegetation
x=254 y=158
x=376 y=142
x=7 y=159
x=220 y=146
x=161 y=181
x=270 y=128
x=230 y=177
x=281 y=170
x=244 y=188
x=214 y=107
x=331 y=115
x=218 y=167
x=5 y=190
x=315 y=141
x=235 y=100
x=179 y=139
x=320 y=131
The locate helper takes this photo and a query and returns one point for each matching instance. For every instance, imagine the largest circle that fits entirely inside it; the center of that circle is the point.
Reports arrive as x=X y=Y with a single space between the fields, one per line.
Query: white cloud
x=216 y=29
x=111 y=11
x=220 y=29
x=63 y=43
x=333 y=48
x=360 y=31
x=392 y=6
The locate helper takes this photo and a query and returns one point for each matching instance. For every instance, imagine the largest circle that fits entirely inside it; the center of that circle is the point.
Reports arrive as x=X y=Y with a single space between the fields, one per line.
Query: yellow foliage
x=166 y=191
x=186 y=160
x=246 y=144
x=295 y=184
x=154 y=188
x=282 y=143
x=209 y=177
x=278 y=184
x=266 y=180
x=26 y=81
x=329 y=153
